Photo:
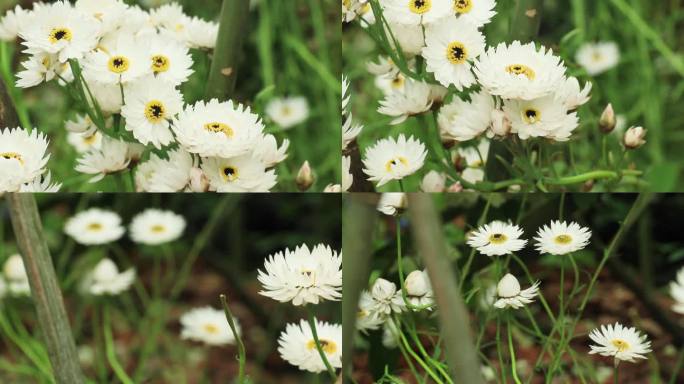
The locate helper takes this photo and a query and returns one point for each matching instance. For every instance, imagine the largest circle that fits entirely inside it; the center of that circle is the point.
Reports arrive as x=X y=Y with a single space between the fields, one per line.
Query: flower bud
x=305 y=178
x=392 y=203
x=508 y=286
x=634 y=138
x=455 y=188
x=501 y=126
x=608 y=121
x=105 y=270
x=332 y=188
x=417 y=283
x=14 y=268
x=198 y=180
x=383 y=289
x=433 y=182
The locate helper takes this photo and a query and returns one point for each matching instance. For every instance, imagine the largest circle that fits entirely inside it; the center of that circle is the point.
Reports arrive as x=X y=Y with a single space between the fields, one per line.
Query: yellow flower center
x=463 y=6
x=562 y=239
x=620 y=344
x=211 y=329
x=328 y=346
x=158 y=228
x=90 y=140
x=155 y=111
x=229 y=173
x=457 y=53
x=60 y=34
x=498 y=238
x=286 y=111
x=219 y=127
x=531 y=115
x=12 y=156
x=597 y=56
x=521 y=69
x=95 y=227
x=46 y=62
x=160 y=63
x=420 y=6
x=118 y=64
x=393 y=163
x=398 y=82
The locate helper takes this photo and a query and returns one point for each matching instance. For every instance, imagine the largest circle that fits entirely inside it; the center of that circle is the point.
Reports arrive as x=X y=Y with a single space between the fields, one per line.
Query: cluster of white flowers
x=133 y=62
x=304 y=277
x=23 y=160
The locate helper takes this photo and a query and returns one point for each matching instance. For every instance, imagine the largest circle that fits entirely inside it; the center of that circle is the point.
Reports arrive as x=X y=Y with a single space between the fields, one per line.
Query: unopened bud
x=198 y=180
x=608 y=121
x=501 y=126
x=332 y=188
x=455 y=188
x=634 y=138
x=305 y=177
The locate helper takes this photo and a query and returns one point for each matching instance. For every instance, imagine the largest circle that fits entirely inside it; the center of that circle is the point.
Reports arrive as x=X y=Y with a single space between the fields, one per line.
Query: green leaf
x=663 y=177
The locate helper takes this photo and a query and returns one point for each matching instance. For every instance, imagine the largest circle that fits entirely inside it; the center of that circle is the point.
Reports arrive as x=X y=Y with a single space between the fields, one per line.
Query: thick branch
x=45 y=291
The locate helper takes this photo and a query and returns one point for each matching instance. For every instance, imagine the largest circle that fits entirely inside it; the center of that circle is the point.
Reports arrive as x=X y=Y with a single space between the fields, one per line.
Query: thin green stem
x=242 y=359
x=511 y=350
x=319 y=347
x=678 y=367
x=109 y=348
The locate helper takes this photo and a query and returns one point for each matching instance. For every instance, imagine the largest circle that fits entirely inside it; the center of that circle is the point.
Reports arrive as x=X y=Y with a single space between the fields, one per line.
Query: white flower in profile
x=207 y=325
x=165 y=175
x=303 y=276
x=245 y=173
x=478 y=12
x=560 y=238
x=366 y=319
x=542 y=117
x=497 y=239
x=94 y=226
x=223 y=129
x=41 y=184
x=571 y=95
x=22 y=157
x=169 y=59
x=297 y=346
x=11 y=22
x=599 y=57
x=390 y=159
x=16 y=279
x=634 y=137
x=151 y=102
x=61 y=30
x=113 y=156
x=85 y=142
x=269 y=152
x=155 y=226
x=677 y=292
x=450 y=47
x=106 y=279
x=386 y=299
x=413 y=100
x=383 y=66
x=509 y=295
x=288 y=111
x=392 y=203
x=42 y=67
x=332 y=188
x=418 y=289
x=349 y=132
x=433 y=182
x=620 y=342
x=389 y=84
x=461 y=120
x=201 y=34
x=170 y=17
x=416 y=12
x=122 y=61
x=519 y=71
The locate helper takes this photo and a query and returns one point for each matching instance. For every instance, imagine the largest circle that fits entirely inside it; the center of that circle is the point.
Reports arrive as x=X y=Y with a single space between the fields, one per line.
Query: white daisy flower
x=297 y=346
x=413 y=100
x=597 y=58
x=155 y=226
x=169 y=60
x=124 y=61
x=478 y=12
x=201 y=34
x=84 y=142
x=390 y=159
x=347 y=177
x=418 y=289
x=113 y=156
x=462 y=120
x=165 y=175
x=571 y=95
x=207 y=325
x=509 y=294
x=94 y=226
x=61 y=30
x=416 y=12
x=450 y=47
x=620 y=342
x=542 y=117
x=137 y=22
x=303 y=276
x=245 y=173
x=366 y=319
x=151 y=103
x=223 y=129
x=11 y=22
x=170 y=17
x=389 y=84
x=42 y=67
x=41 y=184
x=105 y=279
x=386 y=299
x=519 y=71
x=433 y=182
x=288 y=111
x=269 y=152
x=497 y=239
x=392 y=203
x=677 y=292
x=16 y=279
x=109 y=12
x=22 y=157
x=560 y=238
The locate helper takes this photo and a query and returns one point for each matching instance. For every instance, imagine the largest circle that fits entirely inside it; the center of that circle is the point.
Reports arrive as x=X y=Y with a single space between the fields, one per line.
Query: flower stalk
x=319 y=347
x=242 y=359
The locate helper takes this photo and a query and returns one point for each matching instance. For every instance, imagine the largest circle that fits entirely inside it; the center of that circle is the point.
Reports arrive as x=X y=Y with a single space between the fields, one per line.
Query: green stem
x=678 y=367
x=109 y=348
x=242 y=359
x=511 y=350
x=314 y=333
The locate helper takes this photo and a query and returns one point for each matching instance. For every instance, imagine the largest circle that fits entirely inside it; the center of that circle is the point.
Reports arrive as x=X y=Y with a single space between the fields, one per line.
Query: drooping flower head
x=509 y=294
